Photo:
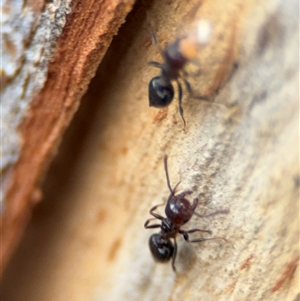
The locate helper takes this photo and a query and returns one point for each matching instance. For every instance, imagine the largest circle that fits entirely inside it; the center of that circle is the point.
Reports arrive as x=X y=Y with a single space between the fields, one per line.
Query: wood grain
x=87 y=241
x=47 y=96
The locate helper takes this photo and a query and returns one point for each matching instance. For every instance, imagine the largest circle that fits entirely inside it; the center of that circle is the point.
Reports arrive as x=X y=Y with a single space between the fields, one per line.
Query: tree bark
x=47 y=68
x=238 y=153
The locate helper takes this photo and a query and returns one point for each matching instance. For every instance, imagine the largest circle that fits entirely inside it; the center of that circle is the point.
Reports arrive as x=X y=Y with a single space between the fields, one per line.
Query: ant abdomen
x=161 y=92
x=161 y=248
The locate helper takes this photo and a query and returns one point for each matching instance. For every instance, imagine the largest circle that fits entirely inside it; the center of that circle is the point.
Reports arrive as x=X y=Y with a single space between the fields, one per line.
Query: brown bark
x=88 y=33
x=87 y=240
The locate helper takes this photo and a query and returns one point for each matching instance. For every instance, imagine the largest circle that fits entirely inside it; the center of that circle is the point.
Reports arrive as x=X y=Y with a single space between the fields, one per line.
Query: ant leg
x=186 y=235
x=203 y=98
x=185 y=232
x=187 y=192
x=174 y=255
x=180 y=102
x=154 y=40
x=225 y=211
x=195 y=204
x=155 y=64
x=191 y=93
x=155 y=214
x=188 y=86
x=151 y=226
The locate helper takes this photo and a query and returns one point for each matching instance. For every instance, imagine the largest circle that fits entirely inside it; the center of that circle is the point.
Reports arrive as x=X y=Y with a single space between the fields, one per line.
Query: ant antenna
x=167 y=174
x=167 y=177
x=225 y=211
x=153 y=36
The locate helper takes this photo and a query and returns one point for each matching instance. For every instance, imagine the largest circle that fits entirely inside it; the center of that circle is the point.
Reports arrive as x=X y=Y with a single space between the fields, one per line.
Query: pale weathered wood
x=42 y=83
x=242 y=157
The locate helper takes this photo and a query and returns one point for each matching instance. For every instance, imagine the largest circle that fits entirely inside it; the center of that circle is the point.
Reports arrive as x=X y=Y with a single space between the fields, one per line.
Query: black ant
x=175 y=56
x=178 y=211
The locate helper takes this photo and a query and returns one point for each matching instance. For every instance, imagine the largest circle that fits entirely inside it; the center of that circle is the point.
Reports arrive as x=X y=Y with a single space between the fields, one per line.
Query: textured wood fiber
x=46 y=104
x=87 y=240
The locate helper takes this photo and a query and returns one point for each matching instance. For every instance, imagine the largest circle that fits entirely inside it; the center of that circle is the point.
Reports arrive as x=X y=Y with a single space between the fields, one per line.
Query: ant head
x=178 y=209
x=161 y=92
x=161 y=248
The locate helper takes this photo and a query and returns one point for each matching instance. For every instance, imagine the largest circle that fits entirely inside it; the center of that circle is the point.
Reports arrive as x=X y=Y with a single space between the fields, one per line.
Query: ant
x=178 y=211
x=175 y=57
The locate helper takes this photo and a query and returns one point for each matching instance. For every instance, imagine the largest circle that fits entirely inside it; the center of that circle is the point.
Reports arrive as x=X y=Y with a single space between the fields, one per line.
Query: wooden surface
x=87 y=241
x=47 y=68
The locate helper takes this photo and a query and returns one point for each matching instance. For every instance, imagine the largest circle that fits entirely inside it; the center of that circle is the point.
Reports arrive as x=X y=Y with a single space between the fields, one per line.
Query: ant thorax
x=168 y=228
